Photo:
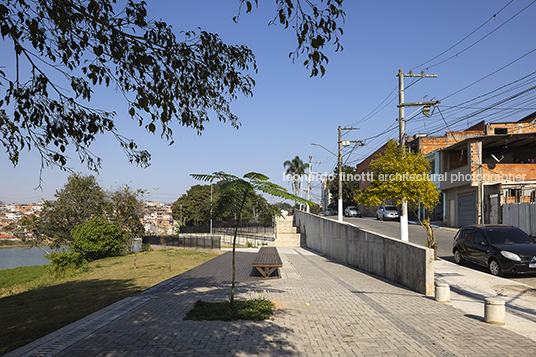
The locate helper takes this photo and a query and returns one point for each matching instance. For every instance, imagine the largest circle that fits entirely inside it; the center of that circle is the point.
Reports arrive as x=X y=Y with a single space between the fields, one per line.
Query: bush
x=65 y=260
x=146 y=248
x=99 y=239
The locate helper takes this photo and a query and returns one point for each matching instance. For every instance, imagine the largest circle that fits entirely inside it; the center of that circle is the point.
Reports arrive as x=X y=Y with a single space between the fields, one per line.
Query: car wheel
x=458 y=257
x=495 y=268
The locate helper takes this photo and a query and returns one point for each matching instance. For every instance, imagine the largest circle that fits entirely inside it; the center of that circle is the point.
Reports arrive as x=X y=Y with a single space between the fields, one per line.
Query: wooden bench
x=268 y=261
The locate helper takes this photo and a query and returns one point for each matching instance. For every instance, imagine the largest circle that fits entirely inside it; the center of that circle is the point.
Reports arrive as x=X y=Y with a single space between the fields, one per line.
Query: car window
x=478 y=238
x=507 y=235
x=468 y=235
x=390 y=208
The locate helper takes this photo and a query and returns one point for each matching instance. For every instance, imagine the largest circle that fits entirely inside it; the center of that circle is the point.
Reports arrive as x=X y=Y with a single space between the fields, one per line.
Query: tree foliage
x=82 y=199
x=349 y=185
x=98 y=238
x=195 y=205
x=125 y=209
x=315 y=25
x=165 y=77
x=295 y=170
x=398 y=176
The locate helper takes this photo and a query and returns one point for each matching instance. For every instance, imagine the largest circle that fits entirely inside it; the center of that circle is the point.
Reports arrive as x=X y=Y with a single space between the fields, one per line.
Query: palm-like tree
x=295 y=168
x=245 y=188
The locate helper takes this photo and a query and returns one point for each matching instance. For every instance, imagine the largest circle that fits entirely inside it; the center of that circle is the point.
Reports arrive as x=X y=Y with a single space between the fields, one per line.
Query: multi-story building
x=477 y=169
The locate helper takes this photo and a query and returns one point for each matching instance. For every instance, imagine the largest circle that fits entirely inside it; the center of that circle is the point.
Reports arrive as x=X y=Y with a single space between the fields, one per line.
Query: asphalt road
x=417 y=235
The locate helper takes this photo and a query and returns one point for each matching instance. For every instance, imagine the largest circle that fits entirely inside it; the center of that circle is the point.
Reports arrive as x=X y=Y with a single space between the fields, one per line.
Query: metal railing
x=186 y=241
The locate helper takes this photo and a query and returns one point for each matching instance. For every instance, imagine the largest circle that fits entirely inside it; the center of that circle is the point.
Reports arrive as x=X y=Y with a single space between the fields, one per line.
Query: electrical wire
x=466 y=37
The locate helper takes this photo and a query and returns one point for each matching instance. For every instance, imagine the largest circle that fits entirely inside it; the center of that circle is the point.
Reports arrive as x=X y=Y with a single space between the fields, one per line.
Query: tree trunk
x=234 y=250
x=430 y=234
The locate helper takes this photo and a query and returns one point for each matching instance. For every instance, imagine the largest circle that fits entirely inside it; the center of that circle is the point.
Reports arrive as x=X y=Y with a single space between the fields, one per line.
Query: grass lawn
x=34 y=303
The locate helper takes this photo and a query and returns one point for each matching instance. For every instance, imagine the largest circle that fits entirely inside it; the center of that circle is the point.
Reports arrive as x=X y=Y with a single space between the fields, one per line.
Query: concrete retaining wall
x=404 y=263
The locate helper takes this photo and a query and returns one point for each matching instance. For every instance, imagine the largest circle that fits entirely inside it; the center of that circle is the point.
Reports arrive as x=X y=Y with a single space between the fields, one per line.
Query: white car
x=352 y=211
x=387 y=213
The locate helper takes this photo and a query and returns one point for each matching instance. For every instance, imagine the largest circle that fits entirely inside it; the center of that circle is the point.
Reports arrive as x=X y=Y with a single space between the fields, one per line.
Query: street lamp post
x=340 y=143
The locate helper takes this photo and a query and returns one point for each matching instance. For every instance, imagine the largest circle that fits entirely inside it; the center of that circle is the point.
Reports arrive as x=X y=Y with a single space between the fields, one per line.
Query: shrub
x=99 y=239
x=64 y=260
x=146 y=248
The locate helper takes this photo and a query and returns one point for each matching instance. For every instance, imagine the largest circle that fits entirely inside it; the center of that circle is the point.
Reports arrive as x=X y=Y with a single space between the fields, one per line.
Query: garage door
x=466 y=210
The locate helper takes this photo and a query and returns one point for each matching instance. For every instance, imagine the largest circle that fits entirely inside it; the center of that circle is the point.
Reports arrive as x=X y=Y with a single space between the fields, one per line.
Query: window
x=468 y=235
x=499 y=131
x=479 y=238
x=516 y=194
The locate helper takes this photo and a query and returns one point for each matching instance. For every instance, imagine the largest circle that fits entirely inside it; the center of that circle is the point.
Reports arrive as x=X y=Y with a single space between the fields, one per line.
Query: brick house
x=497 y=149
x=479 y=174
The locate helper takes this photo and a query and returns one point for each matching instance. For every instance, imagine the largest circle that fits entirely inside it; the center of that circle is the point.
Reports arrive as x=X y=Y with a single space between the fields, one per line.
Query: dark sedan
x=503 y=249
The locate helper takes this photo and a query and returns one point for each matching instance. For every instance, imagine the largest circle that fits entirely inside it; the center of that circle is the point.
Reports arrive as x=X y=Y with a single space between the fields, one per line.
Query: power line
x=481 y=39
x=466 y=37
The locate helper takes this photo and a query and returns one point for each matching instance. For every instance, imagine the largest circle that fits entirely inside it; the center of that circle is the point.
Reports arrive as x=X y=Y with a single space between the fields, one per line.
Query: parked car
x=502 y=249
x=387 y=213
x=329 y=212
x=352 y=211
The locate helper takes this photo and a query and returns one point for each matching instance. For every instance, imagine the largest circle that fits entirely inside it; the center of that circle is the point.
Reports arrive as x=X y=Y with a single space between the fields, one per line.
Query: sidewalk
x=323 y=308
x=469 y=288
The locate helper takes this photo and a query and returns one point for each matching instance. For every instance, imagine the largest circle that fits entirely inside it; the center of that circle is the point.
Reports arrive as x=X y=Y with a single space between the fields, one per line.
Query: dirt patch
x=514 y=290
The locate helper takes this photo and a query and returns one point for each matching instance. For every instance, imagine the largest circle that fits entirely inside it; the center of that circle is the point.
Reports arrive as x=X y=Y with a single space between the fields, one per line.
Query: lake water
x=22 y=257
x=25 y=257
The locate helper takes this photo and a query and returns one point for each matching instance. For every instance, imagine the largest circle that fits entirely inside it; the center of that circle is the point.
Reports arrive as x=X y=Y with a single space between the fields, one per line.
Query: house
x=481 y=173
x=476 y=169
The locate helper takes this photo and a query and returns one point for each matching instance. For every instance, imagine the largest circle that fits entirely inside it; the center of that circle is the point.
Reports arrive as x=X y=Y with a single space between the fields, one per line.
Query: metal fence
x=206 y=241
x=522 y=215
x=219 y=227
x=186 y=241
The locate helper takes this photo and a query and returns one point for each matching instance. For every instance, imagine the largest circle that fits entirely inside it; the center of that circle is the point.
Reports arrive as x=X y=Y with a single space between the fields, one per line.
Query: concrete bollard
x=442 y=292
x=494 y=311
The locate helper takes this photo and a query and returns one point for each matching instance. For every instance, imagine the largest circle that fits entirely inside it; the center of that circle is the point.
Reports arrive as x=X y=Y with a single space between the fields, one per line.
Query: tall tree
x=244 y=188
x=195 y=205
x=125 y=209
x=401 y=175
x=349 y=185
x=80 y=199
x=164 y=78
x=295 y=171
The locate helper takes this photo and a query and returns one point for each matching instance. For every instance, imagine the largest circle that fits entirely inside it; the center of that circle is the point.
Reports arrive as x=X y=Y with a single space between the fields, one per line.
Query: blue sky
x=289 y=110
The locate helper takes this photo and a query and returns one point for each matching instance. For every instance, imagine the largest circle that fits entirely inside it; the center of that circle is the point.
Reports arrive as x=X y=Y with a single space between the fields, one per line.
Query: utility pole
x=339 y=156
x=341 y=144
x=309 y=179
x=402 y=134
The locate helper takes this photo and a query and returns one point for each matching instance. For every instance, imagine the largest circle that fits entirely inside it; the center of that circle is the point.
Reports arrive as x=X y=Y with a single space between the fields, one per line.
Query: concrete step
x=286 y=230
x=288 y=240
x=285 y=221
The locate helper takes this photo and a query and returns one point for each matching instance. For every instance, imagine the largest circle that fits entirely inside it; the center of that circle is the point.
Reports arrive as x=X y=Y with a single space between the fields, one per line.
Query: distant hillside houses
x=157 y=220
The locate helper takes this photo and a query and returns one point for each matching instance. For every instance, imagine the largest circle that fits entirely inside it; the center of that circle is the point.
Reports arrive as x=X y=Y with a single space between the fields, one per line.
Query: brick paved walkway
x=324 y=309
